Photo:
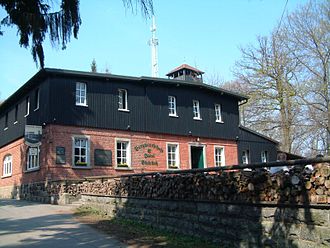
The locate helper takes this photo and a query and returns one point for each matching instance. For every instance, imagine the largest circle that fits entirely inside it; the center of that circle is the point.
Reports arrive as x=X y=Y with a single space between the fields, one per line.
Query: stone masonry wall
x=229 y=225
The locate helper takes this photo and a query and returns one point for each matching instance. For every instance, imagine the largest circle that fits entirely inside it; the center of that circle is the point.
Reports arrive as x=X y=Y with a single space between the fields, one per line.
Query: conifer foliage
x=35 y=19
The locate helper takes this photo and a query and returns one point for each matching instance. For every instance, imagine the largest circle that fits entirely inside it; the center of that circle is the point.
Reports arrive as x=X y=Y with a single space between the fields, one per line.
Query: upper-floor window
x=27 y=106
x=81 y=94
x=122 y=99
x=6 y=120
x=172 y=106
x=7 y=166
x=196 y=110
x=32 y=158
x=173 y=160
x=246 y=157
x=81 y=151
x=16 y=114
x=123 y=153
x=218 y=114
x=36 y=99
x=219 y=156
x=264 y=156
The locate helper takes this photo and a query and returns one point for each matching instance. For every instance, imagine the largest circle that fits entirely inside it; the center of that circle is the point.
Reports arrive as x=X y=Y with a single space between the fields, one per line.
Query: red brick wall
x=55 y=135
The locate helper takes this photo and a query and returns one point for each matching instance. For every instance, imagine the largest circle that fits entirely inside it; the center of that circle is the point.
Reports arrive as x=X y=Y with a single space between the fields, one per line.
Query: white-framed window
x=7 y=166
x=122 y=100
x=81 y=94
x=6 y=121
x=218 y=114
x=80 y=151
x=123 y=153
x=16 y=114
x=172 y=106
x=36 y=99
x=219 y=156
x=173 y=156
x=196 y=110
x=27 y=106
x=246 y=157
x=32 y=158
x=264 y=156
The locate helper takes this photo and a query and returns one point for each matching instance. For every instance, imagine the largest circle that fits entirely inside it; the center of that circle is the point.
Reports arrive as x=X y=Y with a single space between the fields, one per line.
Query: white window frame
x=221 y=156
x=172 y=106
x=33 y=160
x=16 y=114
x=128 y=153
x=6 y=121
x=7 y=166
x=86 y=163
x=196 y=110
x=264 y=156
x=37 y=100
x=176 y=154
x=218 y=113
x=246 y=156
x=81 y=94
x=122 y=100
x=27 y=106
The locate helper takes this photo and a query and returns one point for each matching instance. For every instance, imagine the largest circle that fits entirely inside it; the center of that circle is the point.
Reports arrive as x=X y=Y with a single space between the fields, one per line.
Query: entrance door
x=197 y=157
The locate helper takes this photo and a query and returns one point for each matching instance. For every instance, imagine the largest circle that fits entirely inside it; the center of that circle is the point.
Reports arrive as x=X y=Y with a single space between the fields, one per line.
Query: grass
x=137 y=234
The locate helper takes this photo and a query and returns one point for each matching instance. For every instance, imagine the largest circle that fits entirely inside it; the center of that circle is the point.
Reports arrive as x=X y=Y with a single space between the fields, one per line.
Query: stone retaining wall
x=229 y=225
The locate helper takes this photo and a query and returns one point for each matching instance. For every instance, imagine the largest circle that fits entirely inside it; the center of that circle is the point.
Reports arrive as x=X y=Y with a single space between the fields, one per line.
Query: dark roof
x=258 y=134
x=184 y=66
x=43 y=73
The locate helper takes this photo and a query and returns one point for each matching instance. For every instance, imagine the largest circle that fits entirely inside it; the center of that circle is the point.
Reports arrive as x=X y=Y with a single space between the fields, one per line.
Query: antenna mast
x=153 y=42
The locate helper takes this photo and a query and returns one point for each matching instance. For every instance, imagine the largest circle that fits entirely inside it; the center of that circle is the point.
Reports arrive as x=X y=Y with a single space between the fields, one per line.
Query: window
x=33 y=158
x=173 y=160
x=81 y=94
x=36 y=99
x=196 y=110
x=7 y=166
x=245 y=157
x=27 y=106
x=81 y=151
x=16 y=113
x=6 y=121
x=264 y=156
x=172 y=106
x=219 y=156
x=218 y=115
x=123 y=153
x=122 y=99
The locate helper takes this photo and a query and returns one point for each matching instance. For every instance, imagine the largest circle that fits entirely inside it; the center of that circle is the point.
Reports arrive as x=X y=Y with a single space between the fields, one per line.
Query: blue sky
x=205 y=34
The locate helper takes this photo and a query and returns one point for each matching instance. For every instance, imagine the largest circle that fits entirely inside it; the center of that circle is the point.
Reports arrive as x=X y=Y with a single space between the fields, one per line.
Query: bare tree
x=268 y=72
x=308 y=39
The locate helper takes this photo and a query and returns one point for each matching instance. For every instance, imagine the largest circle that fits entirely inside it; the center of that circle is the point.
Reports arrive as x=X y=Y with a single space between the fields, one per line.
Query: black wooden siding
x=35 y=117
x=255 y=144
x=147 y=104
x=148 y=108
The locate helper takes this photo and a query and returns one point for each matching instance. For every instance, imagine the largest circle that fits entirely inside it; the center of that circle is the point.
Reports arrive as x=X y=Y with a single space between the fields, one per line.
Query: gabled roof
x=184 y=66
x=258 y=134
x=44 y=73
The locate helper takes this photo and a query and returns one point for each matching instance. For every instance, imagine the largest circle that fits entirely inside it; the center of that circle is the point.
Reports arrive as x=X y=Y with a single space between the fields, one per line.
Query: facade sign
x=33 y=135
x=149 y=156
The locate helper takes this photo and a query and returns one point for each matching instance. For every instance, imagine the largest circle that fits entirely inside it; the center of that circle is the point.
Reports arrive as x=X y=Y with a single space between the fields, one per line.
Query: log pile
x=295 y=186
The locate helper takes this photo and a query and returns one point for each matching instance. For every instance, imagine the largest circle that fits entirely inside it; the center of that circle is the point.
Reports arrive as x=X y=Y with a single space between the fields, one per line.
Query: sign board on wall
x=33 y=135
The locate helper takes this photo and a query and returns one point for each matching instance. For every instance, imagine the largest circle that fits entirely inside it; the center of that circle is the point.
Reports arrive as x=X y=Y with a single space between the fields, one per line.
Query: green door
x=197 y=158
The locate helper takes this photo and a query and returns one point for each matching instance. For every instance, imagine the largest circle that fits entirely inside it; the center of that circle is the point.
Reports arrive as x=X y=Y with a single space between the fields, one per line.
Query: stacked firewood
x=296 y=186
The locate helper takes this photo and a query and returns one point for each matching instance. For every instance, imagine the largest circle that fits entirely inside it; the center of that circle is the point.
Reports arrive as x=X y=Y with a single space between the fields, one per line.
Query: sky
x=205 y=34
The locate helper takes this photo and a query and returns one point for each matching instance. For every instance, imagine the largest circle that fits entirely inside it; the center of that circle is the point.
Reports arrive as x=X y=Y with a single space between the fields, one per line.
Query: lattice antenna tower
x=153 y=43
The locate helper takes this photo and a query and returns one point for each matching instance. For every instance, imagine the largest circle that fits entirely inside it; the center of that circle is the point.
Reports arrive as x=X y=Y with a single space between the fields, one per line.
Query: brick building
x=90 y=124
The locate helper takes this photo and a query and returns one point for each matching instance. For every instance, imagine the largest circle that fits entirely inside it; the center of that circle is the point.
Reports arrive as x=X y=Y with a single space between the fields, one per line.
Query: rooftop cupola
x=187 y=73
